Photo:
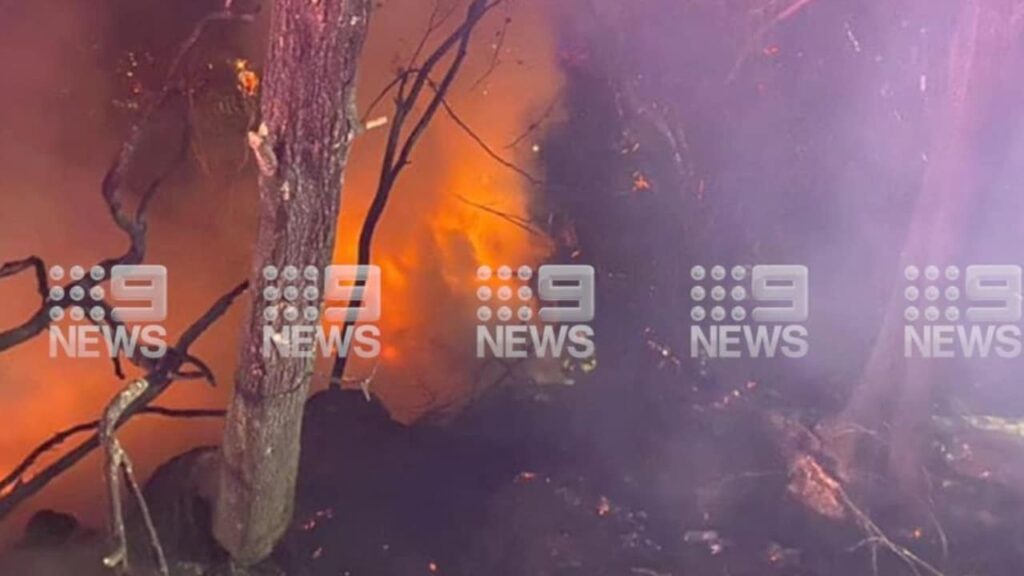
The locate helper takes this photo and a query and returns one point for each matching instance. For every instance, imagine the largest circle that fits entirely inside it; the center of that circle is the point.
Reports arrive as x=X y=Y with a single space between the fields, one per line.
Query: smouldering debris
x=779 y=556
x=710 y=538
x=815 y=488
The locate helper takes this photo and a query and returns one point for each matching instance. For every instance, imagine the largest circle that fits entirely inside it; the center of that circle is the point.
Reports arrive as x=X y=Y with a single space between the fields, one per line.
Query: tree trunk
x=936 y=235
x=301 y=148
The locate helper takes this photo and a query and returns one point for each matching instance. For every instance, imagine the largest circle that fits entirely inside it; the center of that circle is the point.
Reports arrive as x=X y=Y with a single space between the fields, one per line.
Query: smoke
x=848 y=137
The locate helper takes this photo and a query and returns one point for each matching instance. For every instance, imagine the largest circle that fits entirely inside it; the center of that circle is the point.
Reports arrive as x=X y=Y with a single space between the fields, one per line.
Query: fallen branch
x=876 y=538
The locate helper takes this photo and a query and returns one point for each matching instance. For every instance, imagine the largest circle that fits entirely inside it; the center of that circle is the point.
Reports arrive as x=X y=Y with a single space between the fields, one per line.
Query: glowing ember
x=248 y=80
x=526 y=477
x=640 y=182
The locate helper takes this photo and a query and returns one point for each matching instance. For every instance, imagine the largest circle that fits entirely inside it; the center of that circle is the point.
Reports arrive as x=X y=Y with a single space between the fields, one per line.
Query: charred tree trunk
x=301 y=148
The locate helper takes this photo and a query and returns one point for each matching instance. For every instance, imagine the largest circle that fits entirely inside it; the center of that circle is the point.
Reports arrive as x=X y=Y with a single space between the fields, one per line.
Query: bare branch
x=159 y=380
x=134 y=226
x=499 y=45
x=512 y=218
x=118 y=462
x=483 y=145
x=876 y=538
x=397 y=153
x=399 y=78
x=60 y=437
x=16 y=335
x=34 y=262
x=438 y=17
x=461 y=37
x=536 y=124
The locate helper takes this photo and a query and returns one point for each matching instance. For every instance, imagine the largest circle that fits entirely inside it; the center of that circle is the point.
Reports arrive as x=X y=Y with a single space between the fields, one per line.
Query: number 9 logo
x=785 y=284
x=566 y=283
x=994 y=284
x=139 y=283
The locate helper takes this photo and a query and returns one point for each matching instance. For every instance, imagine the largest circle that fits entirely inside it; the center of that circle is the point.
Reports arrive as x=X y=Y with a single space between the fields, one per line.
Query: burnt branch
x=499 y=45
x=59 y=438
x=518 y=221
x=159 y=379
x=483 y=144
x=410 y=85
x=536 y=124
x=133 y=224
x=35 y=263
x=438 y=17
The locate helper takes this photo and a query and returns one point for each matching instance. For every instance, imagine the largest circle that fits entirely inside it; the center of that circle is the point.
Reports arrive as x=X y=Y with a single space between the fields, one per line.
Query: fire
x=248 y=79
x=431 y=240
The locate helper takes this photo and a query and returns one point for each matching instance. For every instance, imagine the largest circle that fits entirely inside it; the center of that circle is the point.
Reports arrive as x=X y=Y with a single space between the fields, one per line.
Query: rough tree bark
x=301 y=148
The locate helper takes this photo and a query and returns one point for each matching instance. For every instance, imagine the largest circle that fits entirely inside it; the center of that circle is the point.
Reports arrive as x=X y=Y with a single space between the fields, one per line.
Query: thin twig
x=495 y=56
x=876 y=538
x=511 y=218
x=483 y=144
x=536 y=124
x=436 y=20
